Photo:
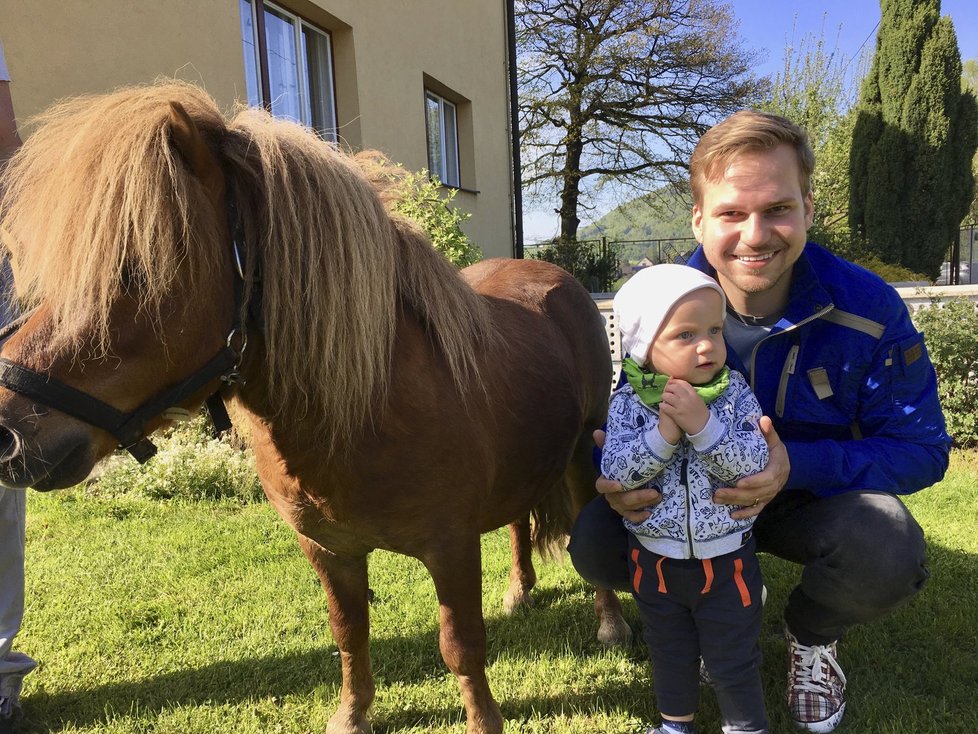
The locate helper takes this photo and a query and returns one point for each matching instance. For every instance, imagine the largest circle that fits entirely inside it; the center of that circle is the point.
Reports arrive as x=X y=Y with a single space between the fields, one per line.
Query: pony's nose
x=10 y=444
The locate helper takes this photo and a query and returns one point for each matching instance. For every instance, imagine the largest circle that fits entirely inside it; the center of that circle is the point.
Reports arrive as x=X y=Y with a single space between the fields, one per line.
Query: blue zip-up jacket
x=846 y=379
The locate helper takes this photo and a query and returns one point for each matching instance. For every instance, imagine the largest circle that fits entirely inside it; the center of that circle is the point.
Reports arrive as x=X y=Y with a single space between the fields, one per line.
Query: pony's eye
x=132 y=279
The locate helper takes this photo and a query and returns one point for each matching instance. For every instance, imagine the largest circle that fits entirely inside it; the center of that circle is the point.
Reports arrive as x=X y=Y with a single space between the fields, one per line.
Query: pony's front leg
x=456 y=568
x=345 y=581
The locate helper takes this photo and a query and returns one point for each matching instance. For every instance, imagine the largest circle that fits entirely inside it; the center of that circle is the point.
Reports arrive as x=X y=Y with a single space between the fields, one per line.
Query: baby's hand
x=668 y=428
x=682 y=404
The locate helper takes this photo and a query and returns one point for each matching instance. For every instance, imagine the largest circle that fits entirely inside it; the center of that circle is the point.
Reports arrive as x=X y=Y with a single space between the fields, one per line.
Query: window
x=441 y=122
x=292 y=71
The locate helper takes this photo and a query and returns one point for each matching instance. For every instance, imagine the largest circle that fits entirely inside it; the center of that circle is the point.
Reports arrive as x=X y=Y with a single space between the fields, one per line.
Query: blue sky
x=848 y=27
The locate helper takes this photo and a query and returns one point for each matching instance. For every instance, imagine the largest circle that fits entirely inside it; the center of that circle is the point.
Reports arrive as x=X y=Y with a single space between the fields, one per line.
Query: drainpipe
x=514 y=128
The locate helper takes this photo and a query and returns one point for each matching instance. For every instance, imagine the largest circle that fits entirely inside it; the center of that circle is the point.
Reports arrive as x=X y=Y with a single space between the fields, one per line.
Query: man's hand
x=682 y=403
x=756 y=491
x=630 y=505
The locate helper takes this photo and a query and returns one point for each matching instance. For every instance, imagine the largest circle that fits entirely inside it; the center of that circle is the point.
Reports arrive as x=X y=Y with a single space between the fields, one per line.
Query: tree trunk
x=570 y=192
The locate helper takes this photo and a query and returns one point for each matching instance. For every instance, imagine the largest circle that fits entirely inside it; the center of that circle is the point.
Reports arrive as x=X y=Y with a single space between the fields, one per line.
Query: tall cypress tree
x=916 y=133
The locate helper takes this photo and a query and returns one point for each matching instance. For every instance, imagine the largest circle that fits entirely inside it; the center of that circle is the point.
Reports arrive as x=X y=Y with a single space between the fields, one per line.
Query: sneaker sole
x=825 y=726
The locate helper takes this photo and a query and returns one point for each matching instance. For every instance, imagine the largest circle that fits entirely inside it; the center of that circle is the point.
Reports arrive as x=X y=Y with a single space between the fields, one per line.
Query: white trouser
x=13 y=665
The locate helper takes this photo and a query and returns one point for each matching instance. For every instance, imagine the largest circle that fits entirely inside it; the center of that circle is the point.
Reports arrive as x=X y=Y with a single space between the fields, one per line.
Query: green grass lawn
x=150 y=616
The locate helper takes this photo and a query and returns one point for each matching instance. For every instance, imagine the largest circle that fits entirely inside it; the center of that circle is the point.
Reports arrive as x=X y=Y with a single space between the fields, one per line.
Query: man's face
x=753 y=224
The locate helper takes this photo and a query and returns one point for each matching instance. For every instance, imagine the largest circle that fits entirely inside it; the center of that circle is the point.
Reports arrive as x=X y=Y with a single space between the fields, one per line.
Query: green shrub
x=190 y=466
x=950 y=329
x=890 y=272
x=592 y=266
x=423 y=200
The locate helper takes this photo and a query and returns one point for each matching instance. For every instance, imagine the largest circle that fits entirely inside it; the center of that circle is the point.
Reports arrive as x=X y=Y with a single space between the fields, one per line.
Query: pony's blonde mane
x=97 y=196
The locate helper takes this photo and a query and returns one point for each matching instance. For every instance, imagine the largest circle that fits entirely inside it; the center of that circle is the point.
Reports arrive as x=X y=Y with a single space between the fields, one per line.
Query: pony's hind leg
x=456 y=568
x=522 y=576
x=613 y=630
x=345 y=581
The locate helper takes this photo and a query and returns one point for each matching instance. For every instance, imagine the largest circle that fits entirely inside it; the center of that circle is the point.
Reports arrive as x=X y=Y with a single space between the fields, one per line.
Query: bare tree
x=616 y=92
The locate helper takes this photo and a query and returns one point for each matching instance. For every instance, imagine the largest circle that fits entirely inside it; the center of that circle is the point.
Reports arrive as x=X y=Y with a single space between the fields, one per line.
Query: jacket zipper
x=788 y=370
x=753 y=354
x=689 y=507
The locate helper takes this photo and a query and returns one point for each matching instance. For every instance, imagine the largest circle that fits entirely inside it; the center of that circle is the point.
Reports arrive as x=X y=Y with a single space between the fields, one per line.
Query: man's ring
x=756 y=500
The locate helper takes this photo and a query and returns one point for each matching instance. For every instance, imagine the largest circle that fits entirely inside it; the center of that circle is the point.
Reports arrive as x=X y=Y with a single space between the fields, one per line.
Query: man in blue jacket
x=850 y=397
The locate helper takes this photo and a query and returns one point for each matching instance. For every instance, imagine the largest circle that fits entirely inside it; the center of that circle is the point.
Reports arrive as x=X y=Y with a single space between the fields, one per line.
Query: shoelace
x=812 y=673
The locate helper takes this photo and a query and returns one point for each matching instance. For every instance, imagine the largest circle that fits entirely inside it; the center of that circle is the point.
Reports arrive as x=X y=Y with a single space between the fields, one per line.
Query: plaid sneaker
x=816 y=685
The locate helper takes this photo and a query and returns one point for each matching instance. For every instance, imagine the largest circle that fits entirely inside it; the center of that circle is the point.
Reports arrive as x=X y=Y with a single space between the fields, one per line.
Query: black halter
x=130 y=428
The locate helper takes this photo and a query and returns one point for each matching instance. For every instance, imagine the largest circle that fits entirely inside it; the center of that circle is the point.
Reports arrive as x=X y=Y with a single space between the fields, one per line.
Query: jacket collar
x=806 y=295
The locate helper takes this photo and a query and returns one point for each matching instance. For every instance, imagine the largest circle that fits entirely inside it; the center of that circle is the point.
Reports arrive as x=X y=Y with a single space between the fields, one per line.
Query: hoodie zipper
x=689 y=507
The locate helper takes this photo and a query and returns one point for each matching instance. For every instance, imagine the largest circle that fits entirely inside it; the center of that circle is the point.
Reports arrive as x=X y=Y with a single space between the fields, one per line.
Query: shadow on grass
x=563 y=620
x=926 y=649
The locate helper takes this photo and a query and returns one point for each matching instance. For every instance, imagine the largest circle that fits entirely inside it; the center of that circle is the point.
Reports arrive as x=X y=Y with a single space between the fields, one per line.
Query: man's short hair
x=743 y=132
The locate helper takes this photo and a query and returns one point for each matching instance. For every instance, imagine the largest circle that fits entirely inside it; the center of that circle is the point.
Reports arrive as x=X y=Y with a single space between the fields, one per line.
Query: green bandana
x=649 y=385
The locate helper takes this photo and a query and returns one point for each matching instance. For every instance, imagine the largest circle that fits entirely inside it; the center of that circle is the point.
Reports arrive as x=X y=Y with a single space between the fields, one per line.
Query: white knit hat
x=646 y=299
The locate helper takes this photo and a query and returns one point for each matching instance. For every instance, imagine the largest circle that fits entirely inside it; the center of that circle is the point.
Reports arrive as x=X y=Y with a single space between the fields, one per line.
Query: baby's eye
x=715 y=330
x=686 y=335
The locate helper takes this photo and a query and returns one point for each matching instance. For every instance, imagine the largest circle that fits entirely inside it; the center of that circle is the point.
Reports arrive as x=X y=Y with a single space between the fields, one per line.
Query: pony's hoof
x=516 y=599
x=613 y=631
x=343 y=723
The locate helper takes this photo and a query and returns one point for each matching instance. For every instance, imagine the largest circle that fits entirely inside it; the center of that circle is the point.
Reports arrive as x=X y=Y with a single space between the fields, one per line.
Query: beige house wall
x=385 y=54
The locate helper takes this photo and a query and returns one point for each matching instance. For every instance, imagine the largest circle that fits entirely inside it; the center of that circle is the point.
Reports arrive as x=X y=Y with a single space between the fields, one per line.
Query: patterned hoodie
x=686 y=523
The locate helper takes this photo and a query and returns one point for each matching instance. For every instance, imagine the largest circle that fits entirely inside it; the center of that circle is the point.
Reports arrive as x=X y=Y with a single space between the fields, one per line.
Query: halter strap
x=128 y=428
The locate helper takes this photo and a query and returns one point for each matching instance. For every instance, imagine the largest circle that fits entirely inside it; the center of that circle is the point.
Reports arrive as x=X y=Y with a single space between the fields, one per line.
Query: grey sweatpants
x=13 y=665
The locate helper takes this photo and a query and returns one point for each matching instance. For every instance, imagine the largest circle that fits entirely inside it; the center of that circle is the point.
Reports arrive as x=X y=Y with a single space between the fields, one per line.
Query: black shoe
x=9 y=715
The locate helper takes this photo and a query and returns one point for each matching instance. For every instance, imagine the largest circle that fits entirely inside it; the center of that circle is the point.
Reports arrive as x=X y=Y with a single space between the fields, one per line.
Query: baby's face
x=689 y=345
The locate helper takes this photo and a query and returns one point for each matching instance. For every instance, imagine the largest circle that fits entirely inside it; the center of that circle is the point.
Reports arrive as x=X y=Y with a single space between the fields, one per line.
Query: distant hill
x=662 y=215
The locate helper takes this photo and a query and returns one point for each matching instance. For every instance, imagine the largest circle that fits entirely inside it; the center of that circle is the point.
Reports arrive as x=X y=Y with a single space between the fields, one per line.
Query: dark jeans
x=863 y=556
x=710 y=609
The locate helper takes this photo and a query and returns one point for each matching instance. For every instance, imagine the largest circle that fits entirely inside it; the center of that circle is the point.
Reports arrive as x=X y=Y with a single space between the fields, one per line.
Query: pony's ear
x=190 y=144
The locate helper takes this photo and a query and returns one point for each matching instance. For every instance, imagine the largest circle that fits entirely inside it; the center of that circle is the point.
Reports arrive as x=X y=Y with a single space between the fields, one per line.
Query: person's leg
x=661 y=587
x=863 y=555
x=598 y=546
x=728 y=619
x=13 y=665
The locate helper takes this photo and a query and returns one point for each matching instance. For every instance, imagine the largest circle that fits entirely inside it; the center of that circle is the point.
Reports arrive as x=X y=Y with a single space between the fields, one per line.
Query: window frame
x=330 y=130
x=443 y=174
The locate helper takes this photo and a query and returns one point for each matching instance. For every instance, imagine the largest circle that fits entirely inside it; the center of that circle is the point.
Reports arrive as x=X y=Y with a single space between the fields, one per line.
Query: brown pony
x=392 y=402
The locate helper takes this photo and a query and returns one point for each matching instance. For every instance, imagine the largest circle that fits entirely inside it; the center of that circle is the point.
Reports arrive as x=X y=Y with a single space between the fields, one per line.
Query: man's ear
x=809 y=210
x=697 y=223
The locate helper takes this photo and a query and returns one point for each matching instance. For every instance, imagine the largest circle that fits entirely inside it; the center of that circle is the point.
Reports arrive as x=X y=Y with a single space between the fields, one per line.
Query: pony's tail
x=554 y=517
x=551 y=522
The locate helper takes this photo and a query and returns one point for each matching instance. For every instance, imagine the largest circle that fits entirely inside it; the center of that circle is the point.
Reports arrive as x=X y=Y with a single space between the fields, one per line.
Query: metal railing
x=960 y=266
x=642 y=252
x=961 y=263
